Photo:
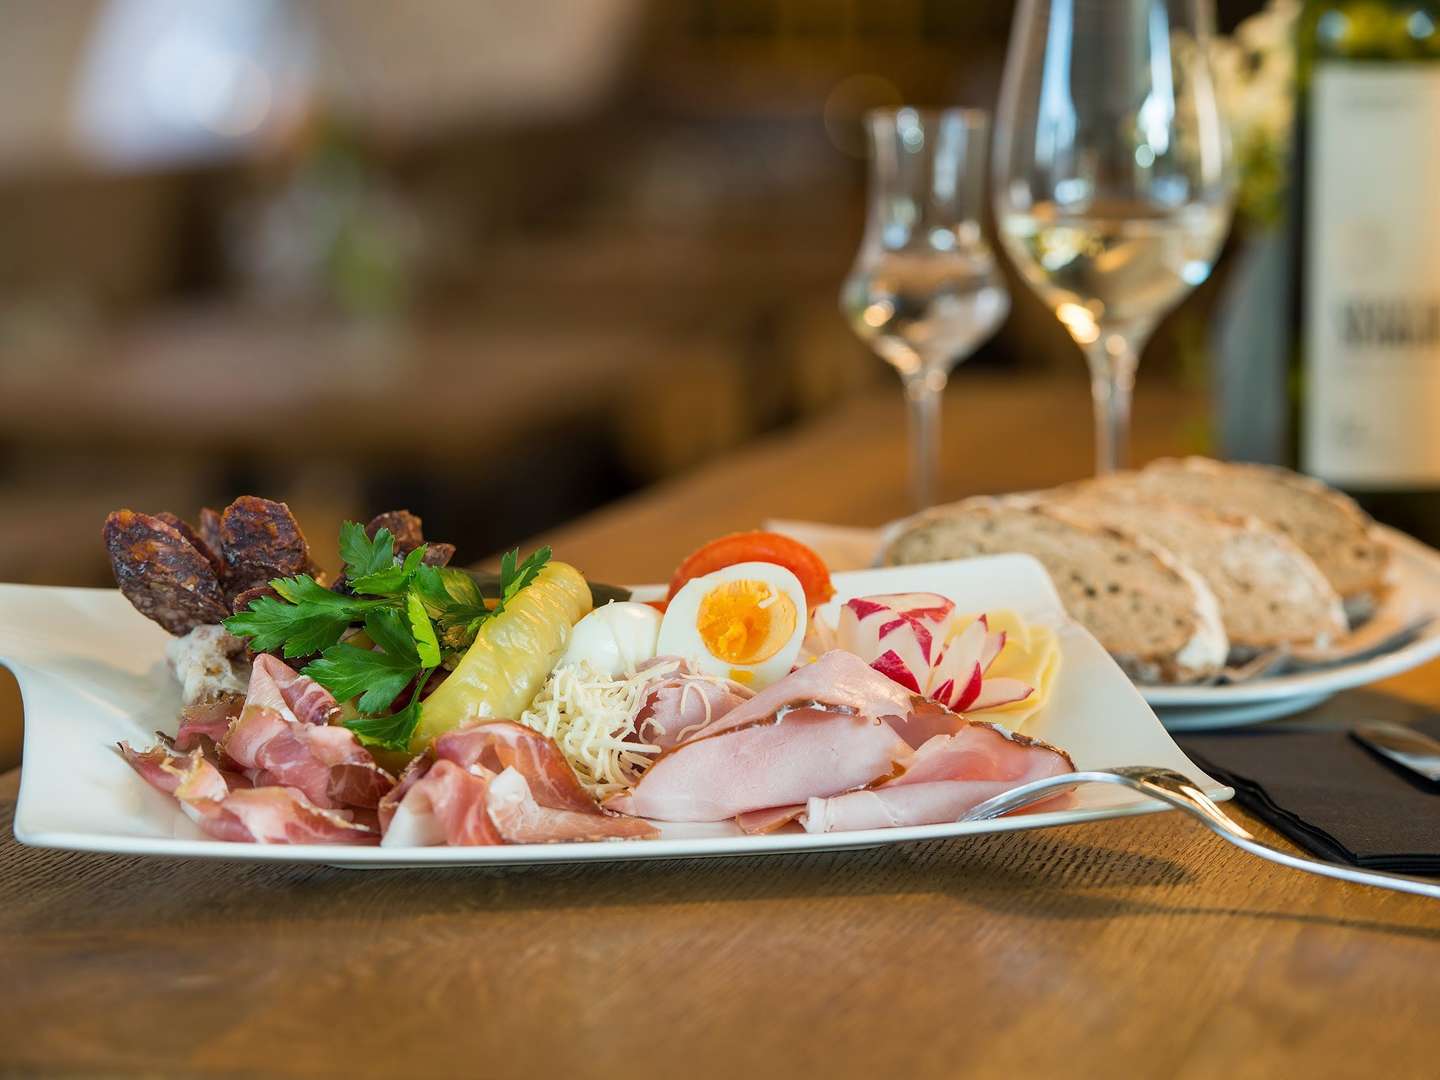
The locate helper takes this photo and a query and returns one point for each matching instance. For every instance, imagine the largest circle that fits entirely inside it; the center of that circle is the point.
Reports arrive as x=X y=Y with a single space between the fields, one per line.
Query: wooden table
x=1142 y=947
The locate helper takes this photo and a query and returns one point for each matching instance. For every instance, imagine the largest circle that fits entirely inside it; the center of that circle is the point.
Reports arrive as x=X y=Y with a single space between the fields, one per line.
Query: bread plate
x=92 y=672
x=1414 y=595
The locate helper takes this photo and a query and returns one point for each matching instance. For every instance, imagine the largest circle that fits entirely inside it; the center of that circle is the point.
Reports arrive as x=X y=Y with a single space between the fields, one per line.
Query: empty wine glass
x=1112 y=176
x=924 y=290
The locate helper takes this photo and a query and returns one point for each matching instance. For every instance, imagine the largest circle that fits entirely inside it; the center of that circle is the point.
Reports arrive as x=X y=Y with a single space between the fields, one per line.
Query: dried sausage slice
x=165 y=576
x=198 y=542
x=259 y=540
x=210 y=531
x=403 y=525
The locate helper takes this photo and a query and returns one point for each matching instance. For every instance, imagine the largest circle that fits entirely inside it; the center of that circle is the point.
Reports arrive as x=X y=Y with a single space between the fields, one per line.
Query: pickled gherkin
x=511 y=656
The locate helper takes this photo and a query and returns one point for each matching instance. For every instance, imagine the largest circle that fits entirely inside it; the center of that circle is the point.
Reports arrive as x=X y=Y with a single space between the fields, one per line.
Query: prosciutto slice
x=444 y=804
x=282 y=738
x=943 y=779
x=496 y=745
x=226 y=808
x=448 y=803
x=211 y=721
x=521 y=820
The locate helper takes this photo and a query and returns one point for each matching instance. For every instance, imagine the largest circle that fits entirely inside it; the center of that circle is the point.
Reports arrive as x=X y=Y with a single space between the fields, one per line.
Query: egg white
x=615 y=639
x=679 y=635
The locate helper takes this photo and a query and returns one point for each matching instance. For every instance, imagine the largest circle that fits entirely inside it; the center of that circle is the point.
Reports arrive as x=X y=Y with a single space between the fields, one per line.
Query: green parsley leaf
x=390 y=630
x=513 y=578
x=391 y=732
x=454 y=601
x=376 y=677
x=309 y=619
x=426 y=645
x=393 y=579
x=363 y=555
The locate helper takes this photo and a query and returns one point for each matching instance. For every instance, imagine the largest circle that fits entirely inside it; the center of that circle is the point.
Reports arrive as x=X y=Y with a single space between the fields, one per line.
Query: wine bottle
x=1369 y=414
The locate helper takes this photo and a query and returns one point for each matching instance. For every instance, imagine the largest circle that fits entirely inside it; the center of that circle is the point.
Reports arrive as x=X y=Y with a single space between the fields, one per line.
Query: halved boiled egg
x=745 y=622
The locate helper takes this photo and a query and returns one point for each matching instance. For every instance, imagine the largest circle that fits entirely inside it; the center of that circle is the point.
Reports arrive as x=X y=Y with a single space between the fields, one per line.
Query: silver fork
x=1174 y=788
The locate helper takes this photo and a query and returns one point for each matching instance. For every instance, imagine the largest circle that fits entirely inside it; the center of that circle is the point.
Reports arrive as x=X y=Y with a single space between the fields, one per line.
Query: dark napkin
x=1329 y=794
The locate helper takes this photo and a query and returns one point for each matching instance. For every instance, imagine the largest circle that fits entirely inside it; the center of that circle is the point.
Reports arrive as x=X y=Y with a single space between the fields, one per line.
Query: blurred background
x=501 y=263
x=498 y=262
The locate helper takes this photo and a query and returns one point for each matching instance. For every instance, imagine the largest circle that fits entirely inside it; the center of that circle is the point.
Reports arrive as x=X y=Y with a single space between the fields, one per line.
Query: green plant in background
x=1255 y=79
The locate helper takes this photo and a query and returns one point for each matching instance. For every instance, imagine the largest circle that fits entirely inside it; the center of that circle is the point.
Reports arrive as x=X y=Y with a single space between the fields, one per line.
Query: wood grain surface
x=1143 y=947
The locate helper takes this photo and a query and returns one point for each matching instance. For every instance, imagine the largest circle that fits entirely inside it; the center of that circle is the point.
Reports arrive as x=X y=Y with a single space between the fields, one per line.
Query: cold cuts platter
x=770 y=708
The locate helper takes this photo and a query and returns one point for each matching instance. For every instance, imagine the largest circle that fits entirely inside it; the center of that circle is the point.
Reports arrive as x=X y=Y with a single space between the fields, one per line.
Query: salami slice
x=403 y=525
x=259 y=540
x=210 y=532
x=162 y=573
x=438 y=554
x=198 y=542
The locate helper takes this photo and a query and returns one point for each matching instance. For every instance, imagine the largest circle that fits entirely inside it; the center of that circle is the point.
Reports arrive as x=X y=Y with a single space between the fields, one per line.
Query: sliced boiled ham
x=787 y=758
x=819 y=731
x=947 y=776
x=683 y=702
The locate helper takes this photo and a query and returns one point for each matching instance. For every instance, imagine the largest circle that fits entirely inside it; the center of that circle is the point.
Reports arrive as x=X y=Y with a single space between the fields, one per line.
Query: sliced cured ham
x=683 y=703
x=211 y=721
x=445 y=805
x=838 y=680
x=785 y=758
x=755 y=822
x=519 y=819
x=227 y=809
x=943 y=779
x=276 y=746
x=497 y=745
x=888 y=807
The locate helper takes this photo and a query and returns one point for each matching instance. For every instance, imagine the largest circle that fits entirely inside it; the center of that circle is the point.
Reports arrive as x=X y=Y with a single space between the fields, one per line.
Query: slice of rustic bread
x=1155 y=616
x=1325 y=524
x=1271 y=593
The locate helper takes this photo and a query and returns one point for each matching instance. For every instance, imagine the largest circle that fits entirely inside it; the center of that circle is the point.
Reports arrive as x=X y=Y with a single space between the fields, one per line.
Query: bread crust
x=1200 y=657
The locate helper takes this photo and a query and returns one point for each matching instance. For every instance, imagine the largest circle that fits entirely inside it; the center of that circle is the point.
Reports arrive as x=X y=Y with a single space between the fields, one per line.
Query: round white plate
x=1415 y=592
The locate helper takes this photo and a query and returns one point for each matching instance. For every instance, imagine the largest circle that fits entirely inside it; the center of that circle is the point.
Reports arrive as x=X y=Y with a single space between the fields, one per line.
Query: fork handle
x=1378 y=878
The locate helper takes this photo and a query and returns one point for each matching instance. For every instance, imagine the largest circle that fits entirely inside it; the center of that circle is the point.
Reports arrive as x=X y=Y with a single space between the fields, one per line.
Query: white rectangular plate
x=92 y=672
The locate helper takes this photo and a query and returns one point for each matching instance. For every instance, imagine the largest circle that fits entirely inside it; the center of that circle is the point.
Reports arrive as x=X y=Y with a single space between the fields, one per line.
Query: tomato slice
x=759 y=546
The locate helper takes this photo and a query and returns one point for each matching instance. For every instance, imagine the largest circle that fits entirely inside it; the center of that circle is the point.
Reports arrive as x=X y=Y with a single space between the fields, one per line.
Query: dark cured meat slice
x=403 y=525
x=260 y=540
x=438 y=554
x=198 y=542
x=242 y=600
x=209 y=529
x=165 y=576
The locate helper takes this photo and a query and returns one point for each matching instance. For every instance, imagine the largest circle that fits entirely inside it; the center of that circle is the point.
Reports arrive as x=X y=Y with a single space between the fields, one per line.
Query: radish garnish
x=911 y=639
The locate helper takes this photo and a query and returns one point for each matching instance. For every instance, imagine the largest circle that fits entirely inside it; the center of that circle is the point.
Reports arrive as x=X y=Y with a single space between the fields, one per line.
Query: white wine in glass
x=1113 y=185
x=925 y=290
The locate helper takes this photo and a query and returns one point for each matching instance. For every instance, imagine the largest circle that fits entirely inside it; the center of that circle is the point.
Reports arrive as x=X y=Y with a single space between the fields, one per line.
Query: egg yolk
x=745 y=622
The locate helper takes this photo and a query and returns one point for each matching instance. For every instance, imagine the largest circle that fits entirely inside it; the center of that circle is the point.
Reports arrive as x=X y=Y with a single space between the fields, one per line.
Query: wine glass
x=925 y=290
x=1113 y=184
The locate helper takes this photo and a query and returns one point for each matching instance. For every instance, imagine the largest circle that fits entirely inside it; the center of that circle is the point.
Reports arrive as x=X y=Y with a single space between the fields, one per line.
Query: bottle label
x=1372 y=304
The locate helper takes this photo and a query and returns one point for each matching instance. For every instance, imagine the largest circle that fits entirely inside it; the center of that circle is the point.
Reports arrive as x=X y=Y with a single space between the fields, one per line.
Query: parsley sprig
x=415 y=617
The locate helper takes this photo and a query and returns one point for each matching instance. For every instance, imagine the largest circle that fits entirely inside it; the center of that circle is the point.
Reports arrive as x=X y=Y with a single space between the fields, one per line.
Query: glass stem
x=923 y=391
x=1112 y=379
